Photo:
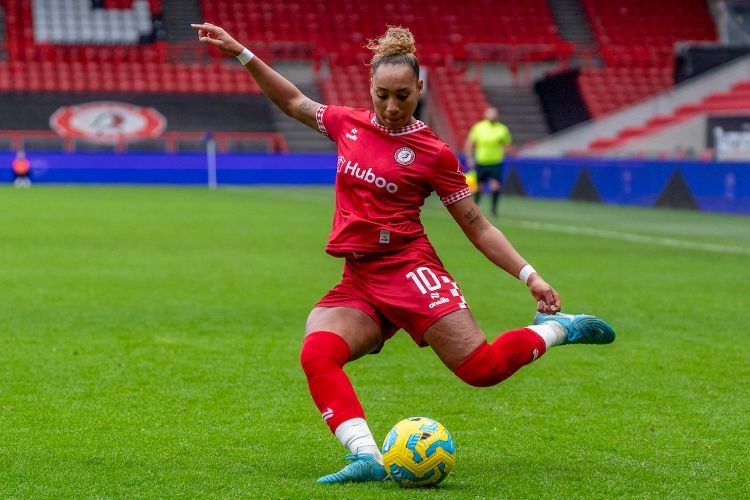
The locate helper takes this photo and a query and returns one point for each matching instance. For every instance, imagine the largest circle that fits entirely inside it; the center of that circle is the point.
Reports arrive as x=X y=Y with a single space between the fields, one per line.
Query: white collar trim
x=407 y=129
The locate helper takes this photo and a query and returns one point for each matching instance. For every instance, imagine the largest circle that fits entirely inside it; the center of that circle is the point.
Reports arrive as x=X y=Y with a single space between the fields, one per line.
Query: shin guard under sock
x=323 y=356
x=490 y=364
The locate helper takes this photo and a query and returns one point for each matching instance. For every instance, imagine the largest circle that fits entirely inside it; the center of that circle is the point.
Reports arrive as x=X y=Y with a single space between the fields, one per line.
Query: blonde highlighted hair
x=396 y=46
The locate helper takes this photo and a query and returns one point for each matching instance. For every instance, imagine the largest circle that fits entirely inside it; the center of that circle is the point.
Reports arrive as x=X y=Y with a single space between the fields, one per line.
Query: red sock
x=323 y=356
x=490 y=364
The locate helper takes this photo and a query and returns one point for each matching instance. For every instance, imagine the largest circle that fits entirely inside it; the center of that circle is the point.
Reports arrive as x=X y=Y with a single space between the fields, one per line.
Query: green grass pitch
x=149 y=342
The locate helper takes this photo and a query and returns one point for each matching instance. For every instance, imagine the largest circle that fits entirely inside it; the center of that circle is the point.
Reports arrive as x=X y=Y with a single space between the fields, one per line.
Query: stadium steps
x=299 y=137
x=520 y=110
x=571 y=21
x=178 y=15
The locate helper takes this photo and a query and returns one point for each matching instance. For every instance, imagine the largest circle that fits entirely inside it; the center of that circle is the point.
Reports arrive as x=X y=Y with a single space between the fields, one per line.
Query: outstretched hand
x=211 y=34
x=548 y=300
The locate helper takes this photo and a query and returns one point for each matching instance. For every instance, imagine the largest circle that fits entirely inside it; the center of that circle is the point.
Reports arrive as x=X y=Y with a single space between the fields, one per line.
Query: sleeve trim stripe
x=457 y=196
x=319 y=119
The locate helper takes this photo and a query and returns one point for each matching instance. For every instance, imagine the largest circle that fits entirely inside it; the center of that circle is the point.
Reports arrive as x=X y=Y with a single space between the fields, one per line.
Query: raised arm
x=281 y=91
x=498 y=249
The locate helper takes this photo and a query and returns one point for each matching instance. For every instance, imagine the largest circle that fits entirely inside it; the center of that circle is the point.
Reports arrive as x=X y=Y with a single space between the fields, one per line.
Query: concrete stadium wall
x=687 y=135
x=722 y=187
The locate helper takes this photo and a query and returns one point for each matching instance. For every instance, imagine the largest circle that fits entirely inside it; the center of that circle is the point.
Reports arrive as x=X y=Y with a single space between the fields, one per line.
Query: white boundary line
x=632 y=237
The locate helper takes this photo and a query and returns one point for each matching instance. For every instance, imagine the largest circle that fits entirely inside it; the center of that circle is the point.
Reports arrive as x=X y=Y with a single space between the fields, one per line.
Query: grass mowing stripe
x=632 y=237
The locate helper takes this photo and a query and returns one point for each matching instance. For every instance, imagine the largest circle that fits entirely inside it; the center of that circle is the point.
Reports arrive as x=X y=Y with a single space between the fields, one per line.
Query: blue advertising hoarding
x=711 y=186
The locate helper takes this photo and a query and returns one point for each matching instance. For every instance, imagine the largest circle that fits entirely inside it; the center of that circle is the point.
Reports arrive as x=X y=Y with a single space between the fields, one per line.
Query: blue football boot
x=361 y=468
x=580 y=328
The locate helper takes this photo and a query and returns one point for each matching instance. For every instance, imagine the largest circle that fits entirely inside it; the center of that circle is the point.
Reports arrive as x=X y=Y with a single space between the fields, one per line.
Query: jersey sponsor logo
x=352 y=135
x=367 y=175
x=108 y=121
x=405 y=156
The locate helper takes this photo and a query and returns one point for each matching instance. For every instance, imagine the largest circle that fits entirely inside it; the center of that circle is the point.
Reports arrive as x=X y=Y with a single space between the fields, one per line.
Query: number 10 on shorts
x=425 y=279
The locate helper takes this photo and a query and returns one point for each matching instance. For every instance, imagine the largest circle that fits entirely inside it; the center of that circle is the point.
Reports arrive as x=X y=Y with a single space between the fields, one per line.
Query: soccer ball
x=418 y=451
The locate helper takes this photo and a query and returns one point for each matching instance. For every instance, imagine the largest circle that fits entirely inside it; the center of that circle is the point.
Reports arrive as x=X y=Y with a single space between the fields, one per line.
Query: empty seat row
x=126 y=77
x=634 y=81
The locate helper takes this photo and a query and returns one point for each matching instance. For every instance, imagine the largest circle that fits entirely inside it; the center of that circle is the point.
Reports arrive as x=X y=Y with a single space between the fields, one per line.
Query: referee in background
x=485 y=152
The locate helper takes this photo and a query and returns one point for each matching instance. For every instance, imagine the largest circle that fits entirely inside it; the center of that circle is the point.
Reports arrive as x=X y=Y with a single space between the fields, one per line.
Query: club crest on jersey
x=405 y=156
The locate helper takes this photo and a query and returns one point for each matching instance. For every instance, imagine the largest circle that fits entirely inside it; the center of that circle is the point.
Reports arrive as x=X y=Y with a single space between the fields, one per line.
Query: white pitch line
x=633 y=237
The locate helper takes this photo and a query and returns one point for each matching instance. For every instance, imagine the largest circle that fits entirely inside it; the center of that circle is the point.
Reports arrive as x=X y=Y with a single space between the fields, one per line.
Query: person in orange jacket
x=21 y=170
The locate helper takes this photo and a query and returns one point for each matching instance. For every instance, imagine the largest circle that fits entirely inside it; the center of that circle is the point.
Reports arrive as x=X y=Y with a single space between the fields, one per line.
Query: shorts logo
x=443 y=300
x=405 y=156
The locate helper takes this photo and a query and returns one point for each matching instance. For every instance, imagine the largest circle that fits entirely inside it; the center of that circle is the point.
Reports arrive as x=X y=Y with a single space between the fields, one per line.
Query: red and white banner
x=108 y=121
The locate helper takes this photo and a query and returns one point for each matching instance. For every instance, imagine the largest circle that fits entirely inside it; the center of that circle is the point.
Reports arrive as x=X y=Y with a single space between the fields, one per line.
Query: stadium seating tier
x=75 y=46
x=636 y=40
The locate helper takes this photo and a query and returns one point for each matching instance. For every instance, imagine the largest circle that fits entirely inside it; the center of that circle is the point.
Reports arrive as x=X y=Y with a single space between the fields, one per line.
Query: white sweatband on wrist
x=245 y=56
x=526 y=272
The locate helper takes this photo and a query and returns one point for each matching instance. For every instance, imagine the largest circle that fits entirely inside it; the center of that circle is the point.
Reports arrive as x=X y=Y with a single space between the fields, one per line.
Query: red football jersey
x=383 y=177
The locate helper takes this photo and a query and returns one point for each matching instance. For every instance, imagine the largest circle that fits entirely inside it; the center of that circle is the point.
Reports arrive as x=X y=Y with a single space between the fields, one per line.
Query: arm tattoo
x=306 y=105
x=472 y=216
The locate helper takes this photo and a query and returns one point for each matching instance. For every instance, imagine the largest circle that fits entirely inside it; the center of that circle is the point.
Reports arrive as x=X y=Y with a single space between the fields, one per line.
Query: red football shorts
x=409 y=289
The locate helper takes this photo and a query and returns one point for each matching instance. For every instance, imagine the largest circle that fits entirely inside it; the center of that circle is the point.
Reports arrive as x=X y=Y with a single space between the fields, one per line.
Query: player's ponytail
x=396 y=46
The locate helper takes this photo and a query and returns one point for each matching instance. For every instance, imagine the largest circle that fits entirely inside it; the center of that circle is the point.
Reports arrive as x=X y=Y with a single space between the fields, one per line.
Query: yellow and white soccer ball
x=418 y=451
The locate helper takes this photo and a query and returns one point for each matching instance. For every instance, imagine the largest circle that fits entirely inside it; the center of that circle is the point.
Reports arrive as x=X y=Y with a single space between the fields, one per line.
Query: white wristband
x=245 y=56
x=526 y=272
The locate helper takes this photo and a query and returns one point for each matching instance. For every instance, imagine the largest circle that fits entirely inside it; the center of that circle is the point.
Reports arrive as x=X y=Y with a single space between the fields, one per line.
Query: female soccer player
x=388 y=163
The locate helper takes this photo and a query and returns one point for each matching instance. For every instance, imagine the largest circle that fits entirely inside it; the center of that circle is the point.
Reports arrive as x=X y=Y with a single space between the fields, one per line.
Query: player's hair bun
x=396 y=41
x=396 y=46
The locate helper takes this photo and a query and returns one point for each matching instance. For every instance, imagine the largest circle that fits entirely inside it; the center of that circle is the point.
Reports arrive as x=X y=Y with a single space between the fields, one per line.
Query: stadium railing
x=169 y=142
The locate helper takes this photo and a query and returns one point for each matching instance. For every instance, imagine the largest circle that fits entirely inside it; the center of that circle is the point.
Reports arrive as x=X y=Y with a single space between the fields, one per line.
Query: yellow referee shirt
x=490 y=139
